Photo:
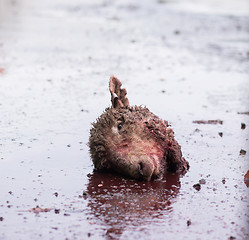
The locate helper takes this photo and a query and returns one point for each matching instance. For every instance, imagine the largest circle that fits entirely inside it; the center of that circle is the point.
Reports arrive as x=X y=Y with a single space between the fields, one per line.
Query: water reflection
x=122 y=203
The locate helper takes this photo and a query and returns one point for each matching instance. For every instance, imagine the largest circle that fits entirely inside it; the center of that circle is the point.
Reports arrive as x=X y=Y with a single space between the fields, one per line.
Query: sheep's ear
x=118 y=94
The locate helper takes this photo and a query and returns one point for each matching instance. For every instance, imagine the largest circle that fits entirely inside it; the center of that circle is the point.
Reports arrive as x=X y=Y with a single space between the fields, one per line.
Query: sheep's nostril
x=140 y=168
x=145 y=169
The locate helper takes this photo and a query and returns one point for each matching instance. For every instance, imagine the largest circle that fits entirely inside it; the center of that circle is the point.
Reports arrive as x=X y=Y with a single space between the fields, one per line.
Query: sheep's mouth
x=148 y=167
x=147 y=177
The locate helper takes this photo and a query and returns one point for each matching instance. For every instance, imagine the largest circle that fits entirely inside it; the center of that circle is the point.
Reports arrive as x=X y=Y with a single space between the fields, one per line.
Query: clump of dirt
x=242 y=152
x=243 y=125
x=197 y=186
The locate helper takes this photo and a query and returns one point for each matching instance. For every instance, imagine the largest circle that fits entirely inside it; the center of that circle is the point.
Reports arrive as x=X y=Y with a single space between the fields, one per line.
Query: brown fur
x=133 y=141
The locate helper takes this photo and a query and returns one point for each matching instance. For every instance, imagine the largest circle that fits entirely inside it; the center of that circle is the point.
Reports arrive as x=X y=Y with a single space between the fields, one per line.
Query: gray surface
x=184 y=61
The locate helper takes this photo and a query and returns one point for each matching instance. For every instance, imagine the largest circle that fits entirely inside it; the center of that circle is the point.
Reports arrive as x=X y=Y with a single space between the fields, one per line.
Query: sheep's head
x=132 y=140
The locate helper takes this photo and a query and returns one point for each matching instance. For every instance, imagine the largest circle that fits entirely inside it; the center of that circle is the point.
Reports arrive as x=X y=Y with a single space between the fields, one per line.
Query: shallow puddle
x=187 y=63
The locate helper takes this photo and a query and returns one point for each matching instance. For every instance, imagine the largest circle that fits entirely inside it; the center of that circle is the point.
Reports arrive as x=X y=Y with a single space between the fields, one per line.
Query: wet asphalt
x=187 y=63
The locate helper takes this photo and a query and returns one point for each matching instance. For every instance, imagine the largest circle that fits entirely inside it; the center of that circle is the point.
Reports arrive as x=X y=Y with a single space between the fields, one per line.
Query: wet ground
x=185 y=60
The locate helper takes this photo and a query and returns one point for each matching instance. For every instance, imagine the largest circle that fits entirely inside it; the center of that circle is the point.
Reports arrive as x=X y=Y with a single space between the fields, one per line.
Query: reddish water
x=118 y=204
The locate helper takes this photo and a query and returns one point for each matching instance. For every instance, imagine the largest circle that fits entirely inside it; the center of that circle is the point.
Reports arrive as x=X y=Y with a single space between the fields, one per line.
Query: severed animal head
x=132 y=141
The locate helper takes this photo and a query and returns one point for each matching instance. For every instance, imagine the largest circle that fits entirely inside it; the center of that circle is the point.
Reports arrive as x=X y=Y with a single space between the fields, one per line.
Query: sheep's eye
x=120 y=126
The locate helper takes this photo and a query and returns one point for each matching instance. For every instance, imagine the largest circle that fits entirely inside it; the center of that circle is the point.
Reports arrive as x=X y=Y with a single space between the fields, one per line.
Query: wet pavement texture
x=187 y=62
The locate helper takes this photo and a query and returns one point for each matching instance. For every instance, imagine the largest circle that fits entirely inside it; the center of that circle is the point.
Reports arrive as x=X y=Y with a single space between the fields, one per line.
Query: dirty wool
x=132 y=141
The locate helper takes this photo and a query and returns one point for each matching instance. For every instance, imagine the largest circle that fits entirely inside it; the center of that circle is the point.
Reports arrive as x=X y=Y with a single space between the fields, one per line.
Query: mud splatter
x=38 y=210
x=245 y=113
x=246 y=178
x=217 y=121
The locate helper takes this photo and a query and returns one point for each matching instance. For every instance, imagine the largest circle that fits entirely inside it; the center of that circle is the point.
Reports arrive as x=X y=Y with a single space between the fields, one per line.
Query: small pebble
x=84 y=193
x=202 y=181
x=1 y=219
x=221 y=134
x=189 y=222
x=57 y=211
x=242 y=152
x=197 y=186
x=243 y=125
